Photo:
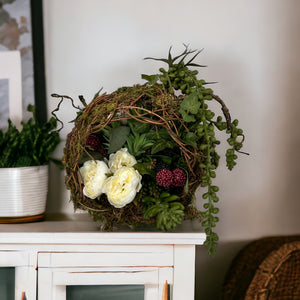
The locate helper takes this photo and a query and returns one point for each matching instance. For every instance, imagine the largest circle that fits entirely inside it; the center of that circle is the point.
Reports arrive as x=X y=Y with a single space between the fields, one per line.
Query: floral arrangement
x=138 y=155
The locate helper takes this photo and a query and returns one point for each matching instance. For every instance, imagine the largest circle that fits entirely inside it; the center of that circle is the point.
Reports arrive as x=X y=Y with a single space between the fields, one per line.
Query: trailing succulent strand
x=200 y=123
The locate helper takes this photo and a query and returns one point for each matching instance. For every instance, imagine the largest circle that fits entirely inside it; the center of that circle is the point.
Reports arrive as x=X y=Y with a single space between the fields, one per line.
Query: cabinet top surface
x=80 y=229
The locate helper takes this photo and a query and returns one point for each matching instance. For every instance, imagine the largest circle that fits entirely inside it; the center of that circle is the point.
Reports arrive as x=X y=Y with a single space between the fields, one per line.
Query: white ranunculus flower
x=94 y=175
x=122 y=187
x=120 y=159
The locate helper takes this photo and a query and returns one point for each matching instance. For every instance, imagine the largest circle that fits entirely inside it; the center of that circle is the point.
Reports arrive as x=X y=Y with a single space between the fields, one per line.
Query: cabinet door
x=55 y=283
x=19 y=275
x=63 y=276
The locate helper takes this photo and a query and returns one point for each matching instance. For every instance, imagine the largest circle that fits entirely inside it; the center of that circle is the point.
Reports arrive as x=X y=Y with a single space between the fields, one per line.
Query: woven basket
x=146 y=104
x=267 y=268
x=278 y=276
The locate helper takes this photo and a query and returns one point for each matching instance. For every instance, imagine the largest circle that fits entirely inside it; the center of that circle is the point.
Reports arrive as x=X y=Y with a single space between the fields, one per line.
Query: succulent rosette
x=138 y=155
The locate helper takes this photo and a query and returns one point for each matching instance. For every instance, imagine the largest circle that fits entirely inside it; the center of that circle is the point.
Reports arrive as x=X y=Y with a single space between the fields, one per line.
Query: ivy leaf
x=191 y=103
x=191 y=139
x=152 y=79
x=186 y=117
x=117 y=138
x=189 y=107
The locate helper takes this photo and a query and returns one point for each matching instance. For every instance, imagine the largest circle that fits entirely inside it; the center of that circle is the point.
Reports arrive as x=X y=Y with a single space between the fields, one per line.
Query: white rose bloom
x=120 y=159
x=94 y=175
x=122 y=187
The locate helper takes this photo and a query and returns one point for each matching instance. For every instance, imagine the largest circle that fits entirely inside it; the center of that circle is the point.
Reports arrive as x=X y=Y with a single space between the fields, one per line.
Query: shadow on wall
x=211 y=271
x=292 y=97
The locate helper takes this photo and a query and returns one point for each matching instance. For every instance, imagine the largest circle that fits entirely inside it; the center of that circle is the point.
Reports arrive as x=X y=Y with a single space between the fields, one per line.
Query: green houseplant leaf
x=31 y=146
x=117 y=138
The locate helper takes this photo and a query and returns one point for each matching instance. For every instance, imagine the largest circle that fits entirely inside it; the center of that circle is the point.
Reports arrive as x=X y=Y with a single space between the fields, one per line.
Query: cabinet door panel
x=155 y=256
x=13 y=258
x=7 y=283
x=106 y=277
x=53 y=282
x=116 y=292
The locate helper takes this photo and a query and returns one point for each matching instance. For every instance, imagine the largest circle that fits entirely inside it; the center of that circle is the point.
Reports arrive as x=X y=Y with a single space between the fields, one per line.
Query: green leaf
x=191 y=139
x=186 y=117
x=191 y=104
x=144 y=168
x=138 y=127
x=158 y=59
x=152 y=79
x=189 y=107
x=161 y=134
x=164 y=158
x=161 y=145
x=94 y=154
x=97 y=94
x=117 y=138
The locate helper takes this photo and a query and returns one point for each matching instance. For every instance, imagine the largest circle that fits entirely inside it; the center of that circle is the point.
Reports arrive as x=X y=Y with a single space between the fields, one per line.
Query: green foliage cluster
x=167 y=209
x=201 y=123
x=29 y=147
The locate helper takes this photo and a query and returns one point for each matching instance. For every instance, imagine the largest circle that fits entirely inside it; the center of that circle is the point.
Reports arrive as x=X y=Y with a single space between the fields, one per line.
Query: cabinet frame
x=25 y=271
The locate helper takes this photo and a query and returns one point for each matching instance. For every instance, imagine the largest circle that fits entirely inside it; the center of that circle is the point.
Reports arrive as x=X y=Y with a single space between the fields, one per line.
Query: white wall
x=252 y=50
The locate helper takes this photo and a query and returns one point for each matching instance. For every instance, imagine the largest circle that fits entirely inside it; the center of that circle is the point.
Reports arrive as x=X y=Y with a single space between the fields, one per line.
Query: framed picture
x=22 y=73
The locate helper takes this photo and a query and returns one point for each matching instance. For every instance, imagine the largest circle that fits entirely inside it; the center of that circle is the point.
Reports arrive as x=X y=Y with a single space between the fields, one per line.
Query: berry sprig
x=93 y=143
x=164 y=178
x=167 y=178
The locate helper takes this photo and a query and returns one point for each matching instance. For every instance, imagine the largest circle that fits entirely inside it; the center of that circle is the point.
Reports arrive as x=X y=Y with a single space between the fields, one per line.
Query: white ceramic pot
x=23 y=192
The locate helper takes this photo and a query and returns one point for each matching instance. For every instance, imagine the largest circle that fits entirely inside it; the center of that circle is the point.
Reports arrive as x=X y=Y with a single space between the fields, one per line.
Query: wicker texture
x=267 y=268
x=146 y=104
x=278 y=275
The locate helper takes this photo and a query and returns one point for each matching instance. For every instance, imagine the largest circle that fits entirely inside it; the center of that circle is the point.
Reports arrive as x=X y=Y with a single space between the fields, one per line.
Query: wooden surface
x=28 y=219
x=165 y=291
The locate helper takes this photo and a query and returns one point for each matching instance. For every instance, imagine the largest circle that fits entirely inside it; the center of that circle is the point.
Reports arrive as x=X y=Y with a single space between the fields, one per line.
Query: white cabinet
x=52 y=255
x=25 y=272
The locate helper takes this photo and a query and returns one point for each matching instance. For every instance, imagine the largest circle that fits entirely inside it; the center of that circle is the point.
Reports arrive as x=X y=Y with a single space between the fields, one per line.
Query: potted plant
x=24 y=159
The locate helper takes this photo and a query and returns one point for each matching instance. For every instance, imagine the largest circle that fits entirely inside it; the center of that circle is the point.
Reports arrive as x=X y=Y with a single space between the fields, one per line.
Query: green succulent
x=168 y=211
